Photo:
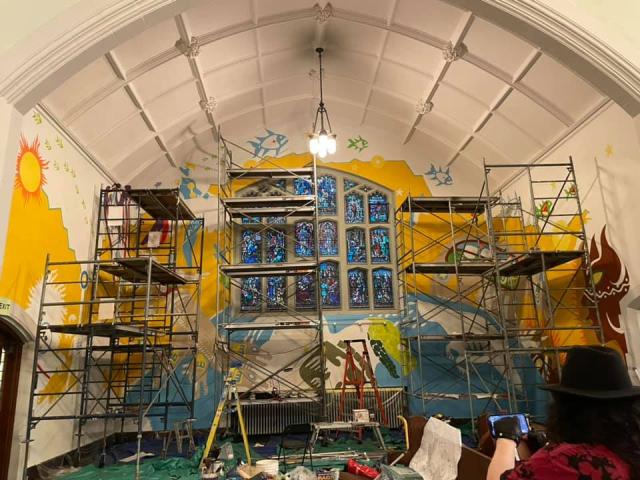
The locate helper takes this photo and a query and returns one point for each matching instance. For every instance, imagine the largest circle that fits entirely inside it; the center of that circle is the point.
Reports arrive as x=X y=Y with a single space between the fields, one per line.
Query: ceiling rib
x=119 y=73
x=254 y=16
x=430 y=90
x=186 y=38
x=385 y=40
x=522 y=71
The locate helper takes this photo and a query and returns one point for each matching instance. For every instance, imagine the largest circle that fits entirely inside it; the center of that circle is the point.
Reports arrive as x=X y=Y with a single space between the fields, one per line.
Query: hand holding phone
x=512 y=426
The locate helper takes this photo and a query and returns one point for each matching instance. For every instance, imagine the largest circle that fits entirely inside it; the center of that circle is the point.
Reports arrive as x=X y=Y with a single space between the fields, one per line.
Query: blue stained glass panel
x=328 y=238
x=305 y=291
x=356 y=246
x=279 y=184
x=304 y=239
x=250 y=248
x=379 y=245
x=382 y=288
x=250 y=294
x=329 y=284
x=354 y=208
x=249 y=220
x=378 y=208
x=276 y=250
x=349 y=184
x=276 y=293
x=327 y=195
x=276 y=220
x=358 y=289
x=302 y=186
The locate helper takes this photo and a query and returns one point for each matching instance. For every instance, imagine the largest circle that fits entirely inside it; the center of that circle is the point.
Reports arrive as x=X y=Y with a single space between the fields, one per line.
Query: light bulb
x=323 y=137
x=322 y=150
x=313 y=145
x=331 y=147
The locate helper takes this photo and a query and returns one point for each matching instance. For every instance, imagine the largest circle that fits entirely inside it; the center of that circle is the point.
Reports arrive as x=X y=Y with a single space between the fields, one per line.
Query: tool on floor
x=229 y=395
x=358 y=378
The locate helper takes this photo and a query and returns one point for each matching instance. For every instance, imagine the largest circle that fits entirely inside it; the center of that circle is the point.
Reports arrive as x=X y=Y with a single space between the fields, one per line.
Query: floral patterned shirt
x=571 y=462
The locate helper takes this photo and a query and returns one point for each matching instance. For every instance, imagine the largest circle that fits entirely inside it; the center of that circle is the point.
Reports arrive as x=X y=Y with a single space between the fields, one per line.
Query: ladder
x=229 y=395
x=358 y=378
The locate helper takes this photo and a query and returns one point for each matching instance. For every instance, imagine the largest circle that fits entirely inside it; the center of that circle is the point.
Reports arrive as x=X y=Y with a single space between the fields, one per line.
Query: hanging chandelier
x=322 y=141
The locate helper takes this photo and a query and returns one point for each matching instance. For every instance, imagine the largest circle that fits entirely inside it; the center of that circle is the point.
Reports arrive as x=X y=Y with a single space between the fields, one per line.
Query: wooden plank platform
x=442 y=204
x=162 y=203
x=136 y=269
x=103 y=330
x=250 y=173
x=532 y=263
x=268 y=269
x=467 y=268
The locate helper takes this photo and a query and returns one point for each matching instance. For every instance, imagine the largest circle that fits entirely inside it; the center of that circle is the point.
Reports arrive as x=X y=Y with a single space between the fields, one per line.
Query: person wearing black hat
x=593 y=425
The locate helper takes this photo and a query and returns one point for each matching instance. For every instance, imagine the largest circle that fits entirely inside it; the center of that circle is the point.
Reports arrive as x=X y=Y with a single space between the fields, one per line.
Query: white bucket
x=269 y=467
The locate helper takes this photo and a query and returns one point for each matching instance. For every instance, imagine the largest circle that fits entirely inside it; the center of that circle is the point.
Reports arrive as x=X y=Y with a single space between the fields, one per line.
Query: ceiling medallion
x=209 y=106
x=452 y=53
x=323 y=13
x=191 y=50
x=423 y=107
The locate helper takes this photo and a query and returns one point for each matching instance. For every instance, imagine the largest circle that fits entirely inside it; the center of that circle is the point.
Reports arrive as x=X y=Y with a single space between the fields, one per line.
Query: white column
x=10 y=124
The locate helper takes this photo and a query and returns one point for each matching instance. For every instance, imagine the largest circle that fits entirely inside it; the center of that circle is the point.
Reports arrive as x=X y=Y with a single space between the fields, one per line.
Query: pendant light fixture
x=322 y=141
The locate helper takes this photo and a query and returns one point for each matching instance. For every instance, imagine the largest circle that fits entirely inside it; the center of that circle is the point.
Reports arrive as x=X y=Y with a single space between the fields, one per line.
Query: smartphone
x=522 y=419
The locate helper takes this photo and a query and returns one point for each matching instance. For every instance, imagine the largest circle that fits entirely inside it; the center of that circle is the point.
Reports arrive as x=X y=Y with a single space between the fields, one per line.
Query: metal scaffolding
x=485 y=285
x=255 y=204
x=136 y=327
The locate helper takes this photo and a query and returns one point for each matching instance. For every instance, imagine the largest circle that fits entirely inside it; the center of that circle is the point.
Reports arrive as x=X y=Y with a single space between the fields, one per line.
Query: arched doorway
x=10 y=353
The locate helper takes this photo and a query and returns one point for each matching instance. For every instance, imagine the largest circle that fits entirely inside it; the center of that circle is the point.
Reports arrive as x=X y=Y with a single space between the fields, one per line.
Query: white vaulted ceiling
x=142 y=106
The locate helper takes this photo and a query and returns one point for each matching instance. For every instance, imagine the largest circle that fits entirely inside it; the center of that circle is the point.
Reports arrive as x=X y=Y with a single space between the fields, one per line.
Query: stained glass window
x=250 y=249
x=250 y=294
x=327 y=195
x=276 y=293
x=305 y=291
x=379 y=245
x=382 y=288
x=276 y=220
x=276 y=250
x=354 y=208
x=246 y=220
x=329 y=284
x=358 y=289
x=349 y=184
x=378 y=208
x=356 y=246
x=302 y=186
x=328 y=238
x=281 y=185
x=304 y=239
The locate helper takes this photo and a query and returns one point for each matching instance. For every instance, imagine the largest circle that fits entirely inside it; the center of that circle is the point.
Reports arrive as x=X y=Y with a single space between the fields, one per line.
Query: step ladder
x=358 y=378
x=228 y=397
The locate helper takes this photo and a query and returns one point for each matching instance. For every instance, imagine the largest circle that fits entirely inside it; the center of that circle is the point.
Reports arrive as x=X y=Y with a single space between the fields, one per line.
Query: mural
x=441 y=177
x=611 y=281
x=271 y=144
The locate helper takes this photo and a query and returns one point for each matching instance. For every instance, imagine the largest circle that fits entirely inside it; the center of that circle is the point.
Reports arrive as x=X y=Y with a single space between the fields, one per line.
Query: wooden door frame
x=10 y=380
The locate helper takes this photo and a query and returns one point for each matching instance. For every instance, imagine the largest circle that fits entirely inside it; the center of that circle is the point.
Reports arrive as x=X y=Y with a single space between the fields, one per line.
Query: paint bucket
x=269 y=467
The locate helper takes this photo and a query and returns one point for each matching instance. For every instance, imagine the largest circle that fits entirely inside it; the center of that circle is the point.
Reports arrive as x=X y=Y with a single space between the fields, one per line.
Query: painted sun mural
x=30 y=167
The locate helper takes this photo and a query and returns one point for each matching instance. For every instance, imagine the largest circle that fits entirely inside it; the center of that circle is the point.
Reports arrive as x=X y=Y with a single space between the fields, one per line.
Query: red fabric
x=571 y=462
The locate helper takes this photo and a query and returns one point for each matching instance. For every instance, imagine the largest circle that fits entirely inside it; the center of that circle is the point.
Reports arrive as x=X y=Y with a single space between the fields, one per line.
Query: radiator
x=266 y=417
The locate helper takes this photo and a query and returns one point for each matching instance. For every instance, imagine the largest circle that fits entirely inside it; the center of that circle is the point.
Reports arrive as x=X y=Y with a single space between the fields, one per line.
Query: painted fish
x=270 y=144
x=443 y=177
x=358 y=143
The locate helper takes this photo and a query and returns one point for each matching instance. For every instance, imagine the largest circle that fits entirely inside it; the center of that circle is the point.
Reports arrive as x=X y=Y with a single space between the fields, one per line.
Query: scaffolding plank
x=162 y=203
x=247 y=173
x=470 y=268
x=270 y=202
x=293 y=325
x=469 y=337
x=533 y=262
x=442 y=204
x=271 y=212
x=104 y=330
x=264 y=270
x=135 y=270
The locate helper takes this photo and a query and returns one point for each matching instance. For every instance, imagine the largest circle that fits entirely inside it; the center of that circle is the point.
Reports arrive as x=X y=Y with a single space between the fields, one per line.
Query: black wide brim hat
x=594 y=372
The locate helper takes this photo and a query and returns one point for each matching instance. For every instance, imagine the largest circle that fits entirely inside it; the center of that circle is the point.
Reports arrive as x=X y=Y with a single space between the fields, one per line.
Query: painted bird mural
x=611 y=281
x=270 y=144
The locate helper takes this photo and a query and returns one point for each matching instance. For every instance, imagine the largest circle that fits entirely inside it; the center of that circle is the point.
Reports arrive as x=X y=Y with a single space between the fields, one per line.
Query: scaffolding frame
x=504 y=291
x=237 y=213
x=137 y=319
